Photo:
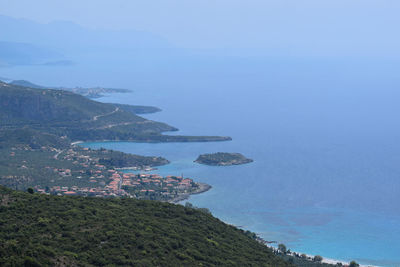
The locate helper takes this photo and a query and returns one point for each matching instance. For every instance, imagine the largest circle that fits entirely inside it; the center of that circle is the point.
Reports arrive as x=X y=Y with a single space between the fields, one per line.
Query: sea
x=323 y=134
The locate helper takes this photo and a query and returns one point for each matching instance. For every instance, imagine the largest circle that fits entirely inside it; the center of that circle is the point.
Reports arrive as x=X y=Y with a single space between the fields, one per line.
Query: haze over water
x=324 y=139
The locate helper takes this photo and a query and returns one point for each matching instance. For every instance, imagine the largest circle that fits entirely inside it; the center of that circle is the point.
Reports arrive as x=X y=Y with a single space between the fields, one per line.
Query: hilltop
x=41 y=230
x=90 y=92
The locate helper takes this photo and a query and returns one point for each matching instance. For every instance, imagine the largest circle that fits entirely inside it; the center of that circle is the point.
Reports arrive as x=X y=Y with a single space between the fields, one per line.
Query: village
x=140 y=186
x=87 y=177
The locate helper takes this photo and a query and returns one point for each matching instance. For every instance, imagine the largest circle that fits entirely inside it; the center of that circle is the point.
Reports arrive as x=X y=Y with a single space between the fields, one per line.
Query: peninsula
x=39 y=131
x=222 y=159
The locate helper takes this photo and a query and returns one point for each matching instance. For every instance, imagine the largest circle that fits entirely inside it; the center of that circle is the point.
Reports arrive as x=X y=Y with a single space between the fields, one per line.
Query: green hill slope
x=41 y=230
x=24 y=104
x=80 y=119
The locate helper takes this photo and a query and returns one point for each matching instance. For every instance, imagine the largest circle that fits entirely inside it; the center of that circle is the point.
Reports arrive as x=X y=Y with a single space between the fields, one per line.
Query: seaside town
x=141 y=186
x=78 y=171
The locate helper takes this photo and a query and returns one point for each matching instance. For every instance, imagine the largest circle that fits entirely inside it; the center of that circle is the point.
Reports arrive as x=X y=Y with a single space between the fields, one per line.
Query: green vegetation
x=223 y=159
x=67 y=114
x=317 y=258
x=30 y=158
x=36 y=155
x=282 y=248
x=304 y=261
x=28 y=137
x=354 y=264
x=42 y=230
x=117 y=159
x=22 y=167
x=64 y=113
x=39 y=125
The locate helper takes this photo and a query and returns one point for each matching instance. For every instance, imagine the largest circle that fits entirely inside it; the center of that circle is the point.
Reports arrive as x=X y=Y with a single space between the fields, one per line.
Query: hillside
x=37 y=129
x=80 y=119
x=92 y=92
x=42 y=230
x=31 y=105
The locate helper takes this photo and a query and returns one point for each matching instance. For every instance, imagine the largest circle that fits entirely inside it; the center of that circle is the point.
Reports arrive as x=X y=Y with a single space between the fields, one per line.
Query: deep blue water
x=324 y=137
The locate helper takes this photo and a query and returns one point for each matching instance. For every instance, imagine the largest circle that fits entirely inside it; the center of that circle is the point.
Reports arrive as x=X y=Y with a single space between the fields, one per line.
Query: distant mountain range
x=25 y=42
x=16 y=53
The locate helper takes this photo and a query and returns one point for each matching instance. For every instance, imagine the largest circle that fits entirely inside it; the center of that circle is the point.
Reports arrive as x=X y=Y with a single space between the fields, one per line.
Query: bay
x=323 y=136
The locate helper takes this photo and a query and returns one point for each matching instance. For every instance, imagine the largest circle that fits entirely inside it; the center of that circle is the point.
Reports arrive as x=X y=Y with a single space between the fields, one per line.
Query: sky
x=299 y=27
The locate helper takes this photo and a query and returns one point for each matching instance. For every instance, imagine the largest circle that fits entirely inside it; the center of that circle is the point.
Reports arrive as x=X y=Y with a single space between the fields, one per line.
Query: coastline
x=335 y=261
x=205 y=187
x=309 y=257
x=202 y=188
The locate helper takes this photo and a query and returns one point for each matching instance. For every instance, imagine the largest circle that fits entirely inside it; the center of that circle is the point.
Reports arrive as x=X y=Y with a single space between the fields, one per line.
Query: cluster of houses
x=129 y=185
x=77 y=158
x=100 y=181
x=140 y=184
x=76 y=191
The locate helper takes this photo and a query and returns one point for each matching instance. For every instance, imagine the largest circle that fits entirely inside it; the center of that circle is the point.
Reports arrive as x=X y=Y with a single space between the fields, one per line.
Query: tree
x=282 y=248
x=354 y=264
x=204 y=210
x=31 y=262
x=317 y=258
x=30 y=190
x=189 y=205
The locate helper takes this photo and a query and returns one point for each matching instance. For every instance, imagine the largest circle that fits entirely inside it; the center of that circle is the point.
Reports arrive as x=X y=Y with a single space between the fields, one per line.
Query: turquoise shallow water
x=324 y=137
x=249 y=196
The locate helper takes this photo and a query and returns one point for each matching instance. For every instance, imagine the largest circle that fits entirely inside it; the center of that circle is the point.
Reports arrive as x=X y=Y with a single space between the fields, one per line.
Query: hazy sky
x=318 y=27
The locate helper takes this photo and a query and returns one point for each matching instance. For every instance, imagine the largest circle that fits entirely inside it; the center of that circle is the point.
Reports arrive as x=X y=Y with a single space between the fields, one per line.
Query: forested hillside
x=43 y=230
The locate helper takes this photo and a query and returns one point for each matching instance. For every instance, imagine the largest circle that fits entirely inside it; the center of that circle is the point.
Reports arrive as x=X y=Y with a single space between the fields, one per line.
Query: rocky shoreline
x=202 y=188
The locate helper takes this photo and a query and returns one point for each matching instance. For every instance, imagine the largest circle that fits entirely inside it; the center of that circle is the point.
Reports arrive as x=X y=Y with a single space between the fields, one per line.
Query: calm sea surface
x=324 y=137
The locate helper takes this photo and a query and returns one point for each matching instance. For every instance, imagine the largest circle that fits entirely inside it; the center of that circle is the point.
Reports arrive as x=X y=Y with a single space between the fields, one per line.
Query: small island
x=222 y=159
